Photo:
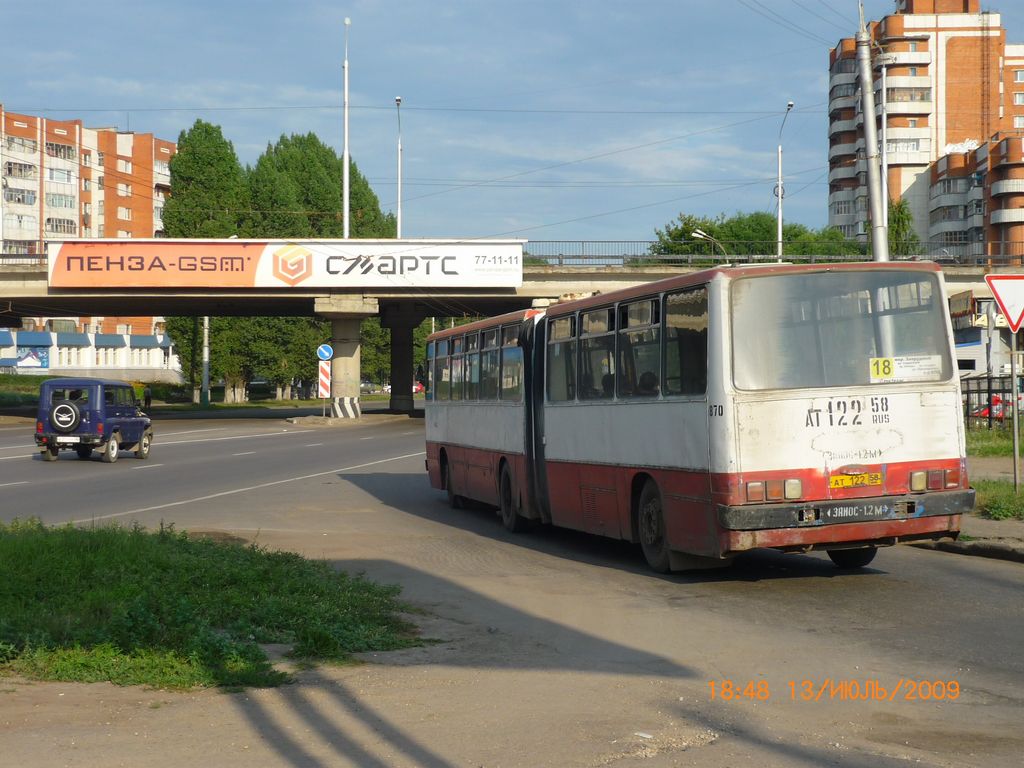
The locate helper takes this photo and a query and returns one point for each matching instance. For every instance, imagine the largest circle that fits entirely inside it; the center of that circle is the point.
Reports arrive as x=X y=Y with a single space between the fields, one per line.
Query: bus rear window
x=835 y=329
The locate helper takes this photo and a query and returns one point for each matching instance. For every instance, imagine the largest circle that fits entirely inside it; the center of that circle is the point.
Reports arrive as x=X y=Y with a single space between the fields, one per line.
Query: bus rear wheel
x=454 y=500
x=651 y=528
x=509 y=498
x=852 y=558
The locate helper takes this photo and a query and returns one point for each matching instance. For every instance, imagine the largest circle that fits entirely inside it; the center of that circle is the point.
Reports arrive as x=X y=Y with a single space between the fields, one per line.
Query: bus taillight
x=775 y=490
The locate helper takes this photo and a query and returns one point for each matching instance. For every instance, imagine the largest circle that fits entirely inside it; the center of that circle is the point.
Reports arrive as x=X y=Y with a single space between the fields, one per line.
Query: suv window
x=75 y=394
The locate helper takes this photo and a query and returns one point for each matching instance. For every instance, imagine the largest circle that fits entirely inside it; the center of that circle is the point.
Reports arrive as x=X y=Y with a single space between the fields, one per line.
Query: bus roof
x=510 y=317
x=746 y=270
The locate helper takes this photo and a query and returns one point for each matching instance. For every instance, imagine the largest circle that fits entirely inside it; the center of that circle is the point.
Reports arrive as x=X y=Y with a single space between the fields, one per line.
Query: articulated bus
x=793 y=407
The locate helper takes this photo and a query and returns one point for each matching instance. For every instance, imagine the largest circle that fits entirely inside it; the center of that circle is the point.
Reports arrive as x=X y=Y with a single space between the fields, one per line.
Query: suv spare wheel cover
x=64 y=416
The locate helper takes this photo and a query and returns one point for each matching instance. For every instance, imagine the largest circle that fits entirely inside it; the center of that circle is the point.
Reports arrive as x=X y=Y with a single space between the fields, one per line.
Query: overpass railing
x=596 y=253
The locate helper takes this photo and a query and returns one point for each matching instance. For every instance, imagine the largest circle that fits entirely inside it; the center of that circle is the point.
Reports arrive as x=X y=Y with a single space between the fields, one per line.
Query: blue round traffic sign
x=325 y=351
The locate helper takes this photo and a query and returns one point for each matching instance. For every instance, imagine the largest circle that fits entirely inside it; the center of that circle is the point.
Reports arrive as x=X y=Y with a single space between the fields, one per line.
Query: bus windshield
x=836 y=329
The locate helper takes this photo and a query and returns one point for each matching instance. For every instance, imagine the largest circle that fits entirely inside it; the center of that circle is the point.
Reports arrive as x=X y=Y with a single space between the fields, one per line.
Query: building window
x=124 y=214
x=18 y=221
x=1018 y=99
x=61 y=175
x=86 y=185
x=124 y=166
x=913 y=71
x=19 y=247
x=23 y=196
x=86 y=158
x=897 y=95
x=63 y=151
x=20 y=170
x=1018 y=122
x=61 y=226
x=903 y=145
x=842 y=207
x=912 y=47
x=60 y=201
x=20 y=144
x=912 y=122
x=953 y=186
x=1018 y=75
x=123 y=233
x=124 y=190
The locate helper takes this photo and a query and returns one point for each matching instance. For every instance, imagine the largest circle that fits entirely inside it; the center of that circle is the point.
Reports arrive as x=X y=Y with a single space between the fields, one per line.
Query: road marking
x=411 y=433
x=313 y=445
x=8 y=458
x=19 y=482
x=244 y=453
x=191 y=431
x=366 y=438
x=148 y=466
x=245 y=489
x=16 y=447
x=235 y=437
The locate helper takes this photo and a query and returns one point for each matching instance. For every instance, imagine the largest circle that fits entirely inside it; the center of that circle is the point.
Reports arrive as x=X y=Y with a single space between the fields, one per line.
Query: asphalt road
x=557 y=648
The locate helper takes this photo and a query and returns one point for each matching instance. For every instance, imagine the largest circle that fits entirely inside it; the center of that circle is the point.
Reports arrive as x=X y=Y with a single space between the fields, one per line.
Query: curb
x=994 y=549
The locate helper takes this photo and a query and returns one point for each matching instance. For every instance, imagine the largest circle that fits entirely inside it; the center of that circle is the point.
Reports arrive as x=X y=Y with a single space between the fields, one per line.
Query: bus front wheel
x=852 y=558
x=509 y=498
x=651 y=528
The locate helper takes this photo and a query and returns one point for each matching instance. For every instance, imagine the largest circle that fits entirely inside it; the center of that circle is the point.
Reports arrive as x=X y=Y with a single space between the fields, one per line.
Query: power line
x=813 y=12
x=772 y=16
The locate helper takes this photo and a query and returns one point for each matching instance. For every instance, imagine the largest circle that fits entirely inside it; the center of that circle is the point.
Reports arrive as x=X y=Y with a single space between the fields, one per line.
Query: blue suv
x=90 y=414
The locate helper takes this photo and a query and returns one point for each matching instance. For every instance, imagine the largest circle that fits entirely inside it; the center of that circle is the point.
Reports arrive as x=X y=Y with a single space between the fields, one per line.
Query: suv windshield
x=833 y=329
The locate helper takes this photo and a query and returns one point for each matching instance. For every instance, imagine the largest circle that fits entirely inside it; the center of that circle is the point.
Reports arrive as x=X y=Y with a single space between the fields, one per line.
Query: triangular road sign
x=1008 y=291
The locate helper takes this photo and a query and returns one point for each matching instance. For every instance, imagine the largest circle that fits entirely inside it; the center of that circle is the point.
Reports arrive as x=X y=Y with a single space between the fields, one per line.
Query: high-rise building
x=952 y=116
x=62 y=180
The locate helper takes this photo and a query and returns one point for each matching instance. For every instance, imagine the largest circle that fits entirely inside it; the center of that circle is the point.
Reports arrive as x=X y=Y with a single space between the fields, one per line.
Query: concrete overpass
x=26 y=290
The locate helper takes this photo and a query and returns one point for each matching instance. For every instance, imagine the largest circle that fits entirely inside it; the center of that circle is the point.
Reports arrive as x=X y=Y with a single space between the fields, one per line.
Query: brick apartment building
x=61 y=180
x=953 y=126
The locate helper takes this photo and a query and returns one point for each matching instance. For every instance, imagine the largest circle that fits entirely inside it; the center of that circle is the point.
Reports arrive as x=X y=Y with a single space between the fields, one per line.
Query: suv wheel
x=110 y=450
x=142 y=449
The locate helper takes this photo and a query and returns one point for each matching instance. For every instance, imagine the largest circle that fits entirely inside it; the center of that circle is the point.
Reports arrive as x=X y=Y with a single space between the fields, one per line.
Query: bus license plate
x=69 y=439
x=855 y=481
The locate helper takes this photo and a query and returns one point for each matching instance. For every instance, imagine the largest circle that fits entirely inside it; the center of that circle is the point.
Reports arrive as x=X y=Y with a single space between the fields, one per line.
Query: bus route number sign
x=904 y=368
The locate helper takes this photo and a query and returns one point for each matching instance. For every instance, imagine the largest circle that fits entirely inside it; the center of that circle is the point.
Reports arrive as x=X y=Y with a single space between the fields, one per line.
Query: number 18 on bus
x=793 y=407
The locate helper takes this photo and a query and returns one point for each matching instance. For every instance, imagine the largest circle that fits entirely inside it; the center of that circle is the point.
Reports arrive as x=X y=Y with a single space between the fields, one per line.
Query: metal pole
x=885 y=150
x=879 y=235
x=1015 y=400
x=779 y=190
x=344 y=149
x=204 y=392
x=398 y=106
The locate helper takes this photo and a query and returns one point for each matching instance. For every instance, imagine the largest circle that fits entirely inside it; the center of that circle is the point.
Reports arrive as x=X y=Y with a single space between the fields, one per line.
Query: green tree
x=903 y=238
x=209 y=195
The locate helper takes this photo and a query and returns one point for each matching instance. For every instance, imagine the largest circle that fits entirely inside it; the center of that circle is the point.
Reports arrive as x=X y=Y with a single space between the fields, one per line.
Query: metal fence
x=988 y=401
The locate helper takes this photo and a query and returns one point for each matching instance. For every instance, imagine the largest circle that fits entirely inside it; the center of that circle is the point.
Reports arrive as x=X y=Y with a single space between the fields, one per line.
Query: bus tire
x=454 y=500
x=852 y=558
x=651 y=528
x=509 y=509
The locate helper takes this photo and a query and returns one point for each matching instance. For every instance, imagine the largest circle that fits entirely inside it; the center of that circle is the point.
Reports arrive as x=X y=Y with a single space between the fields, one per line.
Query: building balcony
x=1008 y=187
x=1008 y=216
x=908 y=158
x=842 y=150
x=950 y=225
x=842 y=126
x=842 y=102
x=842 y=78
x=905 y=108
x=948 y=199
x=907 y=58
x=842 y=172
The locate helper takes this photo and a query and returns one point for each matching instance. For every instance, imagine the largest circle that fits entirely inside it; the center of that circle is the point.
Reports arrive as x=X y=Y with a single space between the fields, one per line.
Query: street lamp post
x=344 y=149
x=398 y=228
x=779 y=191
x=699 y=234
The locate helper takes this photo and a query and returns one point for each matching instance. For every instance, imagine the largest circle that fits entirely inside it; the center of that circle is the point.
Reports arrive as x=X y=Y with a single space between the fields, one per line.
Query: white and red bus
x=794 y=407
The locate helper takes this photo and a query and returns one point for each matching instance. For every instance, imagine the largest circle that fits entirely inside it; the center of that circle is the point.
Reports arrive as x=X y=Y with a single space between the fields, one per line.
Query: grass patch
x=161 y=609
x=996 y=499
x=990 y=442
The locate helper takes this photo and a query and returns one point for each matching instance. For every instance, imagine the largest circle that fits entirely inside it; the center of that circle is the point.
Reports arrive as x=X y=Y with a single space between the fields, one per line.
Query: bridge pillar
x=402 y=321
x=346 y=313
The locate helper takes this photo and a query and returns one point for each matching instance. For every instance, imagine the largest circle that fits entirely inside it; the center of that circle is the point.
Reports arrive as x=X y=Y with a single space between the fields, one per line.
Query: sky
x=539 y=119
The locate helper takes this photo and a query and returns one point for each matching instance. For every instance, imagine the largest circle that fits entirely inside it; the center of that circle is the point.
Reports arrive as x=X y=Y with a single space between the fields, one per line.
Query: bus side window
x=686 y=342
x=561 y=363
x=639 y=371
x=597 y=352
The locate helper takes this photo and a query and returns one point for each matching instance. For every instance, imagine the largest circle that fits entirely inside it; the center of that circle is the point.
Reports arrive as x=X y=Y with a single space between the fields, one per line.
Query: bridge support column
x=402 y=321
x=346 y=313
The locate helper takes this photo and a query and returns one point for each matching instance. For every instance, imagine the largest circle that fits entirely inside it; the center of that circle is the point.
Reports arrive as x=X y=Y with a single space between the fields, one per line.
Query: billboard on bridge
x=164 y=263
